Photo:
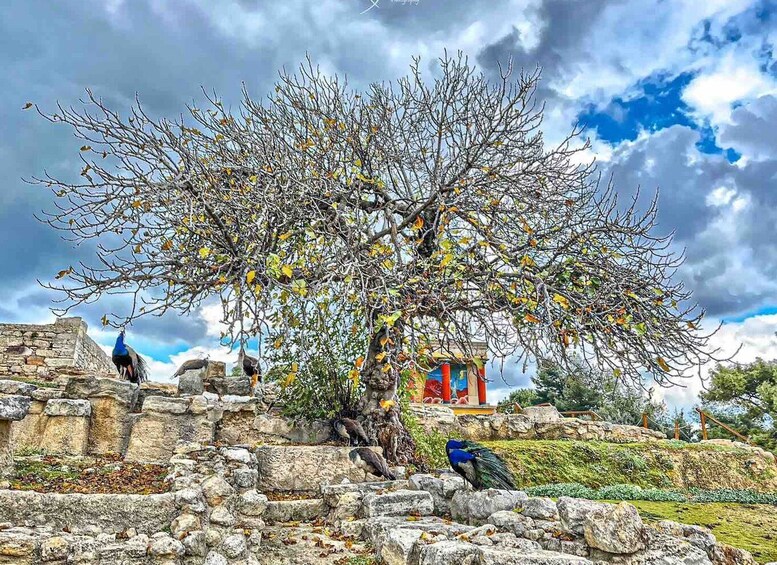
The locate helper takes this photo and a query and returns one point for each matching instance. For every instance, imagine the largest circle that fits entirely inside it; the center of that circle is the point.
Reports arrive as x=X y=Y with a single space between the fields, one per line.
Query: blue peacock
x=479 y=466
x=130 y=365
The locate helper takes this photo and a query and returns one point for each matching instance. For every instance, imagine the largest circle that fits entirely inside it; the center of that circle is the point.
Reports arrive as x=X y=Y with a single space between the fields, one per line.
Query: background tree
x=432 y=209
x=521 y=396
x=582 y=387
x=744 y=397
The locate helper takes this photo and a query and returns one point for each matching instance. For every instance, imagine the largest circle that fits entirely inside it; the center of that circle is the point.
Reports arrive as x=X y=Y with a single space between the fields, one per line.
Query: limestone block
x=111 y=421
x=234 y=386
x=508 y=556
x=659 y=548
x=305 y=468
x=345 y=500
x=66 y=435
x=277 y=429
x=306 y=510
x=216 y=490
x=163 y=423
x=614 y=529
x=442 y=489
x=397 y=547
x=216 y=369
x=512 y=522
x=252 y=503
x=475 y=507
x=446 y=553
x=110 y=512
x=398 y=503
x=573 y=512
x=14 y=407
x=86 y=386
x=190 y=382
x=68 y=407
x=541 y=508
x=8 y=386
x=44 y=394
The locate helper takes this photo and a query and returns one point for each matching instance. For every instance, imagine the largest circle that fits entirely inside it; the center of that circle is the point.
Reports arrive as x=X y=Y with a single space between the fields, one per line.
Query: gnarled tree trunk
x=380 y=403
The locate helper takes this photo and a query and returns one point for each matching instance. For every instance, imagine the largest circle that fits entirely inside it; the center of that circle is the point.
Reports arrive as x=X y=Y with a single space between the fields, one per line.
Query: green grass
x=649 y=465
x=752 y=527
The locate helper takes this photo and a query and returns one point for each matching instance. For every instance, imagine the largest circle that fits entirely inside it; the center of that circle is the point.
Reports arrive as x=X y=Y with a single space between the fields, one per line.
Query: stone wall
x=34 y=351
x=545 y=424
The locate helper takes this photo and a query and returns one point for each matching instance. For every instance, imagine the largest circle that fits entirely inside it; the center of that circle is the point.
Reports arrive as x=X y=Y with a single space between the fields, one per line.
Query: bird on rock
x=479 y=466
x=371 y=462
x=250 y=366
x=351 y=431
x=191 y=365
x=129 y=364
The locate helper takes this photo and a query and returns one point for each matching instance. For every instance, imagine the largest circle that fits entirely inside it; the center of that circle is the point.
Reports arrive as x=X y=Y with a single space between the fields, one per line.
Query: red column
x=482 y=385
x=446 y=383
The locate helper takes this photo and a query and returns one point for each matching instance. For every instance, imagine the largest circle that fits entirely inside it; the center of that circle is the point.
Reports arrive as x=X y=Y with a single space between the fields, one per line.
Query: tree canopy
x=581 y=387
x=744 y=396
x=425 y=210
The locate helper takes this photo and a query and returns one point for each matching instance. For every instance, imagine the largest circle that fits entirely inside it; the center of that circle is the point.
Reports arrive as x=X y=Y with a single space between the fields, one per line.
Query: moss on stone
x=655 y=464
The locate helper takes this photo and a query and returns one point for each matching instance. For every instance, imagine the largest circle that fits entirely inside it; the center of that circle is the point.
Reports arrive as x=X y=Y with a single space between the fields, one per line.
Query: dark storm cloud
x=731 y=255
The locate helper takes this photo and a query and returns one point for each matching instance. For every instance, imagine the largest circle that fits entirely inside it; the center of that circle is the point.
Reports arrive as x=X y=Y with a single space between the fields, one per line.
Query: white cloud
x=734 y=78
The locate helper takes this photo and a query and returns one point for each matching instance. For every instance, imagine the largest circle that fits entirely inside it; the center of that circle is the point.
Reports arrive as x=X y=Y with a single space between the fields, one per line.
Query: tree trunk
x=380 y=404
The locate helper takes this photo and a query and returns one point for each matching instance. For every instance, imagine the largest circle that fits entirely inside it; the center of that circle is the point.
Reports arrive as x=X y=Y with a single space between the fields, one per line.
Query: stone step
x=304 y=468
x=111 y=512
x=301 y=510
x=398 y=503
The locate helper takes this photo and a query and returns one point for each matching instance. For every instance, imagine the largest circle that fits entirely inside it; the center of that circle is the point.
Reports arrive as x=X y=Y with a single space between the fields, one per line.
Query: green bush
x=633 y=492
x=430 y=445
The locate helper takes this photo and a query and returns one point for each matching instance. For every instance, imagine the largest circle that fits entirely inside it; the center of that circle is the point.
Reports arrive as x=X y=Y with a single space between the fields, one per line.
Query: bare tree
x=429 y=211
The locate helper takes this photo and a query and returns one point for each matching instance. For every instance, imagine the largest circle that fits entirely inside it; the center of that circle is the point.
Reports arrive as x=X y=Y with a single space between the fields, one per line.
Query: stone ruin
x=247 y=486
x=34 y=350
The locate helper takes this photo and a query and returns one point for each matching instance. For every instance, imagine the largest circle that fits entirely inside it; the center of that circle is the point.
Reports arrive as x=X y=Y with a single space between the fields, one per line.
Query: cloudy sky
x=679 y=96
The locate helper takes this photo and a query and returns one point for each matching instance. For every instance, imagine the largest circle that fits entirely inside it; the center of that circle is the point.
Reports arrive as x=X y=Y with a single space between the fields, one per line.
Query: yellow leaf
x=250 y=276
x=167 y=245
x=85 y=147
x=290 y=378
x=383 y=341
x=284 y=236
x=104 y=320
x=446 y=260
x=561 y=300
x=387 y=404
x=253 y=179
x=136 y=204
x=662 y=364
x=287 y=270
x=531 y=318
x=64 y=273
x=277 y=343
x=419 y=223
x=359 y=362
x=527 y=261
x=138 y=248
x=294 y=367
x=204 y=252
x=380 y=356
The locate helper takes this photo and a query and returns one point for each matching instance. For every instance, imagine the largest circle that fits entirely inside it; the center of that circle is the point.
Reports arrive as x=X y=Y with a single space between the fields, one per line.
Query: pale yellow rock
x=66 y=435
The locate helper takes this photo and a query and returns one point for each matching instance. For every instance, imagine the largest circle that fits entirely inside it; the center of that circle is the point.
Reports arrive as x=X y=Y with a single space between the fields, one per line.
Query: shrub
x=633 y=492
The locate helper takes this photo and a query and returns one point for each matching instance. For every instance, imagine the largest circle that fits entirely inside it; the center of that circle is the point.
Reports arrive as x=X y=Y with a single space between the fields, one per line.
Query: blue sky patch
x=657 y=105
